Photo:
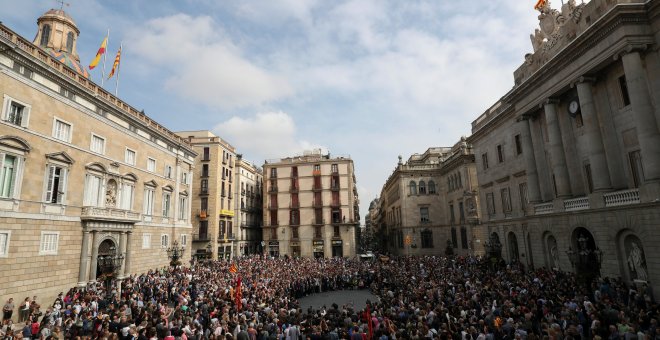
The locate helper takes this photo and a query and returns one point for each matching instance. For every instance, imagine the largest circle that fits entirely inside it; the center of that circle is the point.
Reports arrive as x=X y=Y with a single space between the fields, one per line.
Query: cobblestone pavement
x=358 y=298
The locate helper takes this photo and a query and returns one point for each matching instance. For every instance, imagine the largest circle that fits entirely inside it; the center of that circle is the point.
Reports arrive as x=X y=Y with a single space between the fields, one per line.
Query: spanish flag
x=101 y=51
x=115 y=65
x=540 y=4
x=233 y=268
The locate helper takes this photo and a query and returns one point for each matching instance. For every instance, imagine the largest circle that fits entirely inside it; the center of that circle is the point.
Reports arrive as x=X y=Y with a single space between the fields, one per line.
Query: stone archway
x=107 y=247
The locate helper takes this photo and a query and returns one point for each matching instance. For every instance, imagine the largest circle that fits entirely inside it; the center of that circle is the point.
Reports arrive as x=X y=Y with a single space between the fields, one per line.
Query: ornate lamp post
x=174 y=253
x=108 y=264
x=586 y=262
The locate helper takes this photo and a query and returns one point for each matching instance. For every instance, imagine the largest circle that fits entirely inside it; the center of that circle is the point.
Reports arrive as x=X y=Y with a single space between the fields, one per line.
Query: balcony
x=204 y=191
x=202 y=214
x=543 y=208
x=201 y=237
x=206 y=158
x=619 y=198
x=294 y=205
x=318 y=221
x=335 y=204
x=272 y=206
x=575 y=204
x=317 y=188
x=317 y=203
x=109 y=214
x=272 y=189
x=294 y=188
x=294 y=222
x=334 y=187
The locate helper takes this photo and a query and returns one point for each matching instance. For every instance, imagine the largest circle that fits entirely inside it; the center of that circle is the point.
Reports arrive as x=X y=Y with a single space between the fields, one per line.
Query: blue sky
x=372 y=79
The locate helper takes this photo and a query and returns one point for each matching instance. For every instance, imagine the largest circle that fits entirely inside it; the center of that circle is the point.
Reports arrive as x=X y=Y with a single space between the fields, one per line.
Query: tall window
x=334 y=168
x=149 y=193
x=168 y=171
x=167 y=203
x=484 y=160
x=500 y=154
x=522 y=187
x=129 y=157
x=424 y=214
x=273 y=172
x=454 y=238
x=205 y=170
x=464 y=238
x=183 y=208
x=69 y=42
x=146 y=241
x=623 y=86
x=294 y=217
x=204 y=187
x=127 y=193
x=56 y=184
x=45 y=36
x=461 y=211
x=490 y=203
x=97 y=144
x=519 y=150
x=506 y=200
x=422 y=188
x=62 y=130
x=207 y=154
x=452 y=218
x=151 y=164
x=4 y=243
x=413 y=188
x=427 y=238
x=164 y=241
x=8 y=175
x=93 y=191
x=590 y=181
x=184 y=178
x=636 y=169
x=431 y=187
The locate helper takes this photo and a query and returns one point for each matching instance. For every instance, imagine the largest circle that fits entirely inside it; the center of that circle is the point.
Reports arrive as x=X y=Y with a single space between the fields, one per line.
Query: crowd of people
x=415 y=298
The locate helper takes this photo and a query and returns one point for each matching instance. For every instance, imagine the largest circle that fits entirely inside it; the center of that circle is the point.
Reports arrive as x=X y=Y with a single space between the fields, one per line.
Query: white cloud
x=203 y=64
x=266 y=135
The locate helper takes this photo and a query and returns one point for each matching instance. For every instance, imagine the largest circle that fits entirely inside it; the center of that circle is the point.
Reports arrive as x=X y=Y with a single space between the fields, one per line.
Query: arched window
x=422 y=188
x=431 y=187
x=413 y=188
x=45 y=35
x=69 y=42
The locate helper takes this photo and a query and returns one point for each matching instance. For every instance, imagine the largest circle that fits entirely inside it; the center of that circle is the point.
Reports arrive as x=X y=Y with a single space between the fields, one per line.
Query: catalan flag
x=540 y=4
x=115 y=65
x=233 y=268
x=101 y=52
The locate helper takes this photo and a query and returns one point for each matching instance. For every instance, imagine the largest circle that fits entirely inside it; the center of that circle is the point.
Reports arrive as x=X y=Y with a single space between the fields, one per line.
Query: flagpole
x=118 y=71
x=104 y=54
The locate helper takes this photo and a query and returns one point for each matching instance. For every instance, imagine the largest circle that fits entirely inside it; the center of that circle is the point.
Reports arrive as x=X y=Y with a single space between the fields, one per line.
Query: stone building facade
x=310 y=206
x=572 y=152
x=213 y=195
x=430 y=203
x=248 y=217
x=84 y=176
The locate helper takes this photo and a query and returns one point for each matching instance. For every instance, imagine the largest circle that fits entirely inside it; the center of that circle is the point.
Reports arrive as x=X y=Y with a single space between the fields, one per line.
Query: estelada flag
x=233 y=268
x=101 y=51
x=238 y=295
x=115 y=65
x=540 y=3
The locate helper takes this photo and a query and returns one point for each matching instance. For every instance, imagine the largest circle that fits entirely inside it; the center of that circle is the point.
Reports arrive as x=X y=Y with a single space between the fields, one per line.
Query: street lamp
x=174 y=253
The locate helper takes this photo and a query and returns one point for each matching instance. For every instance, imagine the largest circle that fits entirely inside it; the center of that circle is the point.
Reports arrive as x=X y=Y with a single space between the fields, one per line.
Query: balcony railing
x=624 y=197
x=574 y=204
x=543 y=208
x=109 y=214
x=201 y=237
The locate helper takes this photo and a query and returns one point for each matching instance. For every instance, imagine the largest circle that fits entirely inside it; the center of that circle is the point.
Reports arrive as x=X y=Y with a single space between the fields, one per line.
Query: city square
x=241 y=181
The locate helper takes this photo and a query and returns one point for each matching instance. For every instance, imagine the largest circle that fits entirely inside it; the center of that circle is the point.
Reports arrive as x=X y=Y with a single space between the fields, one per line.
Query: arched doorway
x=107 y=249
x=513 y=246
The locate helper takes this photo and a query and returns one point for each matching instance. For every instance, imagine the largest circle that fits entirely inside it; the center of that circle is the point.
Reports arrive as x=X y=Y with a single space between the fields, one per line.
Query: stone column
x=127 y=259
x=84 y=260
x=643 y=114
x=558 y=158
x=95 y=256
x=541 y=160
x=595 y=149
x=122 y=251
x=533 y=189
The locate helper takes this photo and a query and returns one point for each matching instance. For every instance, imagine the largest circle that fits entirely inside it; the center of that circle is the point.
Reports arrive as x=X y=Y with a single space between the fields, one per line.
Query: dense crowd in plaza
x=417 y=298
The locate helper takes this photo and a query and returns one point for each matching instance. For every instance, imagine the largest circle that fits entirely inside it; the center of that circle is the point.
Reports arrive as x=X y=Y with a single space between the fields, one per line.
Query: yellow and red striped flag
x=115 y=65
x=101 y=51
x=233 y=268
x=539 y=4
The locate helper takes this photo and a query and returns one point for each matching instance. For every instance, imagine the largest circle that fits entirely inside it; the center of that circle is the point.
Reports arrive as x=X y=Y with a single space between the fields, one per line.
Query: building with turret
x=91 y=189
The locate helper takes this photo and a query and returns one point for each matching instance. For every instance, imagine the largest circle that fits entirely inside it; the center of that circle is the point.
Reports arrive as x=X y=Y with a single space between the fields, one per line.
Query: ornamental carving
x=550 y=33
